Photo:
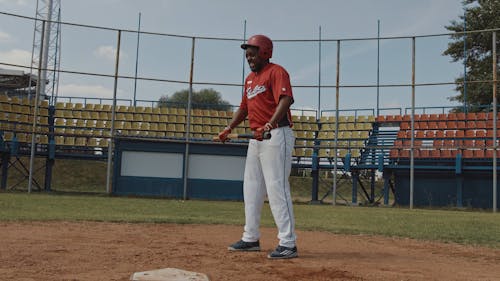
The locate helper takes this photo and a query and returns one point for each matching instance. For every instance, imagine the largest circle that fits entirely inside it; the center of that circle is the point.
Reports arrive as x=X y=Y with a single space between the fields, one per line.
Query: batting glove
x=223 y=135
x=263 y=132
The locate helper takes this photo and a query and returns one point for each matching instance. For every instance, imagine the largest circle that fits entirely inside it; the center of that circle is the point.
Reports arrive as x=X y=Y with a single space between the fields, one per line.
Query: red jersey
x=263 y=91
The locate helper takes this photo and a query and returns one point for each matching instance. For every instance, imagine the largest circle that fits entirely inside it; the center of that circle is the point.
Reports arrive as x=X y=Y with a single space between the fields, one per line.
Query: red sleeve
x=281 y=84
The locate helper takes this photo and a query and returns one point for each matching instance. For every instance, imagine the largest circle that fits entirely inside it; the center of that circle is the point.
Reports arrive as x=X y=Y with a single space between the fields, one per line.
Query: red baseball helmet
x=264 y=44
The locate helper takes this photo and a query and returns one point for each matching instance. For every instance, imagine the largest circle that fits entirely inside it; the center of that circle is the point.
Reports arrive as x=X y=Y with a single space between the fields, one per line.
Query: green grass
x=464 y=227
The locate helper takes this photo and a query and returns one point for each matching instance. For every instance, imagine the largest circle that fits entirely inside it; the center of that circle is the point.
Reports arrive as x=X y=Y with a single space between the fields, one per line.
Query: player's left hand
x=268 y=126
x=259 y=133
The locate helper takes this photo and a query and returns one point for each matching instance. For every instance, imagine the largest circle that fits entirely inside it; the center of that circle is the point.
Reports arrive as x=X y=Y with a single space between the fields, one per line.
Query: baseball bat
x=265 y=135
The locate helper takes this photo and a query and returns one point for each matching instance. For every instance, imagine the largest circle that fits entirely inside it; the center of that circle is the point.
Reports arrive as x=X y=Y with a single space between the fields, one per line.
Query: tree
x=479 y=15
x=203 y=99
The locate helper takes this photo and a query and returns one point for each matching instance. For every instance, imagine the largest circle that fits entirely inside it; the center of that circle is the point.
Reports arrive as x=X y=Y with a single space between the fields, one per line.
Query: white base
x=168 y=274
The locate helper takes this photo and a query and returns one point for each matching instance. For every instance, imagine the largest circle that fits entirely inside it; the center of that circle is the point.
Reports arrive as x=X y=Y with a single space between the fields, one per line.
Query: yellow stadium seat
x=92 y=142
x=162 y=127
x=4 y=98
x=298 y=152
x=59 y=140
x=68 y=114
x=355 y=153
x=153 y=126
x=103 y=143
x=60 y=105
x=100 y=124
x=214 y=113
x=163 y=110
x=86 y=115
x=69 y=141
x=89 y=106
x=156 y=110
x=181 y=111
x=215 y=121
x=43 y=139
x=136 y=126
x=121 y=108
x=361 y=119
x=78 y=106
x=118 y=125
x=103 y=115
x=127 y=125
x=171 y=127
x=179 y=128
x=163 y=118
x=172 y=118
x=81 y=141
x=324 y=153
x=181 y=119
x=342 y=119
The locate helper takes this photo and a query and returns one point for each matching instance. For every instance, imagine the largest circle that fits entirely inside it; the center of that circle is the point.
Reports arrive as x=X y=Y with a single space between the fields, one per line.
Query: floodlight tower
x=46 y=50
x=45 y=57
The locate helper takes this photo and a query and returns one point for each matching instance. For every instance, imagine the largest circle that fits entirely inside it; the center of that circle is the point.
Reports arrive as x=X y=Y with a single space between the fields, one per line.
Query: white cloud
x=5 y=37
x=91 y=91
x=16 y=2
x=16 y=56
x=108 y=52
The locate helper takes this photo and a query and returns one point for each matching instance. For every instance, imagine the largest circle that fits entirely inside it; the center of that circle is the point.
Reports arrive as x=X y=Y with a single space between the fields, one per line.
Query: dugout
x=462 y=185
x=178 y=169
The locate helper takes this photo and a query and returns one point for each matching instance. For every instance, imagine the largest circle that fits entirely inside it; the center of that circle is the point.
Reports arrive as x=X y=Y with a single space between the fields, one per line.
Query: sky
x=221 y=61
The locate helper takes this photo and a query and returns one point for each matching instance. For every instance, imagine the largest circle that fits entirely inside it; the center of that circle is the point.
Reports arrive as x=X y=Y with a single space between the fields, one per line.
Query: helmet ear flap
x=264 y=44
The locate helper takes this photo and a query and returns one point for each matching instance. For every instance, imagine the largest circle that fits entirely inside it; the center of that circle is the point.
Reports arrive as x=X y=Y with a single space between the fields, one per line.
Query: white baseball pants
x=267 y=168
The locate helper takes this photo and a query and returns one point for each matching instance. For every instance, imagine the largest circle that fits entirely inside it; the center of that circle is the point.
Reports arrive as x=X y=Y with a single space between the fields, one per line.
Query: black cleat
x=283 y=252
x=243 y=246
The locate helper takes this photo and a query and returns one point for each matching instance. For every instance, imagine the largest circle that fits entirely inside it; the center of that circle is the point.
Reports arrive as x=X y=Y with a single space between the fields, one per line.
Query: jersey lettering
x=257 y=90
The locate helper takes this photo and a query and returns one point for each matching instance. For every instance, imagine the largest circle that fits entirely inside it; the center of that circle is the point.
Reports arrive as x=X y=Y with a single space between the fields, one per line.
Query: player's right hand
x=258 y=134
x=223 y=135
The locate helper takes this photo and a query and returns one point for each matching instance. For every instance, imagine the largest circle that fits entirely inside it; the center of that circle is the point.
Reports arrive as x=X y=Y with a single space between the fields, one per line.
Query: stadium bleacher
x=362 y=142
x=446 y=135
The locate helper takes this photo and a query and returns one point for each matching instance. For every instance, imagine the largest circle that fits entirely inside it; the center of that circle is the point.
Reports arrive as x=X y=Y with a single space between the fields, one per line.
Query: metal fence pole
x=494 y=59
x=337 y=93
x=378 y=67
x=244 y=60
x=412 y=146
x=110 y=144
x=35 y=115
x=137 y=59
x=318 y=113
x=188 y=123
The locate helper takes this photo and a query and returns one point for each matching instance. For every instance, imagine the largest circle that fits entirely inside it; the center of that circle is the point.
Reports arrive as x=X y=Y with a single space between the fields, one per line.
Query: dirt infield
x=113 y=251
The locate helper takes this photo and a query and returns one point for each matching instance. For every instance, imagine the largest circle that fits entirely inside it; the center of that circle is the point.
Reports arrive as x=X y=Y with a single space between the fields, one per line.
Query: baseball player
x=266 y=103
